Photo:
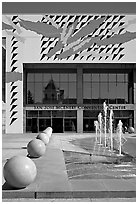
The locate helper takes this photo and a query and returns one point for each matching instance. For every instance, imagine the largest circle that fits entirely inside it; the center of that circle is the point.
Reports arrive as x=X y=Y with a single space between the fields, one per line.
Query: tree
x=30 y=97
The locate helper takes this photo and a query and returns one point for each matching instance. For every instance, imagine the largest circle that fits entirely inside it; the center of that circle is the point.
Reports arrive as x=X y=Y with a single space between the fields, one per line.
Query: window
x=95 y=92
x=112 y=77
x=87 y=77
x=54 y=88
x=30 y=77
x=38 y=77
x=104 y=94
x=38 y=92
x=112 y=87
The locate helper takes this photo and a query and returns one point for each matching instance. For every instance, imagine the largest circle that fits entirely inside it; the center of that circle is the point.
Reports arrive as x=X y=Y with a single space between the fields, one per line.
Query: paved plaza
x=52 y=182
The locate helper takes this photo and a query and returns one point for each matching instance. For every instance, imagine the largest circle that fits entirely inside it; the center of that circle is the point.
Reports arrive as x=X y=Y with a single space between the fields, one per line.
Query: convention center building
x=58 y=68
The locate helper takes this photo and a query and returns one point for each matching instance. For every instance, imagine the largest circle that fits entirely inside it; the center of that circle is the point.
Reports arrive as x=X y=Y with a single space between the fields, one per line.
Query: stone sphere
x=48 y=131
x=19 y=171
x=36 y=148
x=44 y=137
x=131 y=130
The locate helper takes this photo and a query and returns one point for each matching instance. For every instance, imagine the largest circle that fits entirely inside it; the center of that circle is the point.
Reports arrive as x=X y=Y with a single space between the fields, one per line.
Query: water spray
x=111 y=128
x=96 y=128
x=120 y=135
x=100 y=125
x=105 y=116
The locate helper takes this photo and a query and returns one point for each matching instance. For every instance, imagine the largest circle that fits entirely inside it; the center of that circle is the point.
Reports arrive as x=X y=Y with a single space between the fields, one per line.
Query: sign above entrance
x=83 y=107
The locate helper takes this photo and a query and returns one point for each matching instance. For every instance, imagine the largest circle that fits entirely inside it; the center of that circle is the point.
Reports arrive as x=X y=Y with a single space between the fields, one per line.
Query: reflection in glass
x=38 y=77
x=120 y=77
x=111 y=87
x=104 y=90
x=87 y=77
x=30 y=77
x=95 y=92
x=55 y=77
x=64 y=77
x=87 y=91
x=95 y=77
x=38 y=93
x=51 y=88
x=112 y=90
x=103 y=77
x=72 y=90
x=46 y=77
x=50 y=92
x=64 y=92
x=112 y=77
x=120 y=93
x=126 y=92
x=72 y=77
x=30 y=93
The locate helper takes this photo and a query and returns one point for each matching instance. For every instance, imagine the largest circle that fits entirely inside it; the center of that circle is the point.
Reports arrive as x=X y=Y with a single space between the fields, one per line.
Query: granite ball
x=44 y=137
x=36 y=148
x=19 y=171
x=48 y=131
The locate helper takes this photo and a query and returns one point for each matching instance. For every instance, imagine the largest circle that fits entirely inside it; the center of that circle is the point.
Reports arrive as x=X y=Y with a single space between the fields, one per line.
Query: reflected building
x=52 y=94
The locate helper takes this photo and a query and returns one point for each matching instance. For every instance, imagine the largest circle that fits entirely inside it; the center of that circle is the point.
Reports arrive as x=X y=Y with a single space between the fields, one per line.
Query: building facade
x=59 y=69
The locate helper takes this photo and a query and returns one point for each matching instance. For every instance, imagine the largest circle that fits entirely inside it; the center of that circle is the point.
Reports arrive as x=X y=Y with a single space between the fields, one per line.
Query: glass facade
x=59 y=120
x=75 y=87
x=47 y=88
x=109 y=87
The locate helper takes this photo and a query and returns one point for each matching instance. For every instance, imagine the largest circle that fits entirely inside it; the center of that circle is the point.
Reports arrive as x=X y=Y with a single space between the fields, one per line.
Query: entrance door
x=88 y=125
x=44 y=123
x=70 y=125
x=34 y=125
x=57 y=125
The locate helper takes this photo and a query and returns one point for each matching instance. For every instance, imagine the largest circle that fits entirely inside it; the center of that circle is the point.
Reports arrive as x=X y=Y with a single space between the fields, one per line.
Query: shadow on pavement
x=24 y=147
x=6 y=186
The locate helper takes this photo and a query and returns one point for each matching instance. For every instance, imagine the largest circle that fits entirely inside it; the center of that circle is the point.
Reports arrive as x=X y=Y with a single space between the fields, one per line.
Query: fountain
x=100 y=126
x=105 y=117
x=96 y=160
x=119 y=139
x=120 y=134
x=96 y=124
x=111 y=128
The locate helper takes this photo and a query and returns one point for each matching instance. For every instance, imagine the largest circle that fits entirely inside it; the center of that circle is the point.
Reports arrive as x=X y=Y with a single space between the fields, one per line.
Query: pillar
x=14 y=85
x=24 y=120
x=79 y=85
x=79 y=120
x=79 y=98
